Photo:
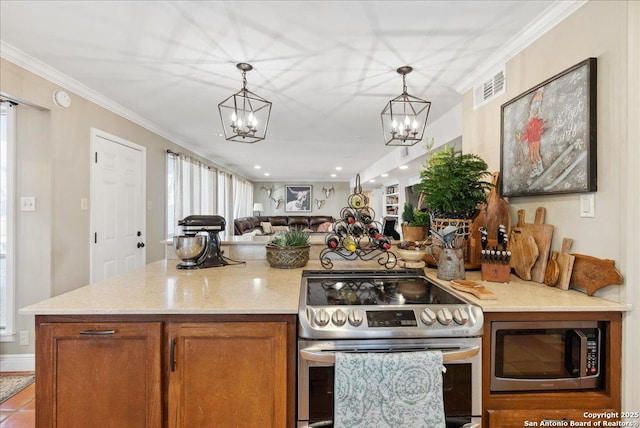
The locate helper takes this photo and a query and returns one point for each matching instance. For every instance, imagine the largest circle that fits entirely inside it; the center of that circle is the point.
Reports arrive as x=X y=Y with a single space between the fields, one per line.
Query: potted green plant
x=415 y=223
x=453 y=186
x=289 y=250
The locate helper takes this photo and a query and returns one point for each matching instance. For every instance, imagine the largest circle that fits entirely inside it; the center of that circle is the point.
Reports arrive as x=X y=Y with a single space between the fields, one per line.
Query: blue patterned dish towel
x=389 y=390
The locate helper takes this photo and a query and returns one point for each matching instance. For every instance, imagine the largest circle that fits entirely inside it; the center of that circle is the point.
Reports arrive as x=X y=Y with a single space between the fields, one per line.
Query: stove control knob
x=444 y=316
x=321 y=317
x=339 y=318
x=428 y=316
x=460 y=316
x=355 y=317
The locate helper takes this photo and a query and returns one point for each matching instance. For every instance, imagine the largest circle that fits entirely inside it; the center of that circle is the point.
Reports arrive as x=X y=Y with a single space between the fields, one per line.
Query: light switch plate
x=587 y=205
x=28 y=203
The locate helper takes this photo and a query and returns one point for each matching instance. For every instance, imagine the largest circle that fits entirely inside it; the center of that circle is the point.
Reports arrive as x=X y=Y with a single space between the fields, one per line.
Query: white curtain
x=224 y=198
x=242 y=197
x=191 y=189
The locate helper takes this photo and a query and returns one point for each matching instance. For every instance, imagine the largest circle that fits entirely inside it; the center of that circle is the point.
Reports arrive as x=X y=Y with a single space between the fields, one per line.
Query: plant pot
x=287 y=257
x=414 y=233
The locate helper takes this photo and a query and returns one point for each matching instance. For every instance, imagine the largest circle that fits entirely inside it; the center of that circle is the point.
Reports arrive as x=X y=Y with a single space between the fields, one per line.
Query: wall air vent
x=489 y=89
x=404 y=152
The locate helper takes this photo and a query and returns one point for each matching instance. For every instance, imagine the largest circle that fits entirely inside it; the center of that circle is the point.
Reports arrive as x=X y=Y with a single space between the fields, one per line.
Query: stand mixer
x=198 y=251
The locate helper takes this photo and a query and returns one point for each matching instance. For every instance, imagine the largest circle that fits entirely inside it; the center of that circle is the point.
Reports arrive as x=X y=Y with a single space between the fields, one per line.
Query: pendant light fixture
x=405 y=117
x=245 y=115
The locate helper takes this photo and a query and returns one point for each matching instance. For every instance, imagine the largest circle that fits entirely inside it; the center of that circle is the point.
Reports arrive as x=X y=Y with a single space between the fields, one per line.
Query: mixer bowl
x=190 y=248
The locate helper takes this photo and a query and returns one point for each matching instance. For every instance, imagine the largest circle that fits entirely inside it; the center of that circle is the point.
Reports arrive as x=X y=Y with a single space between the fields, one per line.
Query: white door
x=117 y=205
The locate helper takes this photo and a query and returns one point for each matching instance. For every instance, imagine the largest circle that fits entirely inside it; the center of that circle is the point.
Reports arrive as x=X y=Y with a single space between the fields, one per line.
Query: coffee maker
x=211 y=256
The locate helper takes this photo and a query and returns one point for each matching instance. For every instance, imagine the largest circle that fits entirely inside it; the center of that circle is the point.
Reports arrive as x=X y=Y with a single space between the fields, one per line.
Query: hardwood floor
x=19 y=411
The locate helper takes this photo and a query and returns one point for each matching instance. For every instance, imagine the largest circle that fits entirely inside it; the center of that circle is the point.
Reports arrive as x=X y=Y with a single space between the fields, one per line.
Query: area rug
x=10 y=385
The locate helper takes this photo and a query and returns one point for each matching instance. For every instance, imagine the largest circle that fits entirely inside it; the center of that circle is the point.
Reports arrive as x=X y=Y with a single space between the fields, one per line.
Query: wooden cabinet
x=511 y=409
x=165 y=371
x=555 y=417
x=98 y=375
x=228 y=374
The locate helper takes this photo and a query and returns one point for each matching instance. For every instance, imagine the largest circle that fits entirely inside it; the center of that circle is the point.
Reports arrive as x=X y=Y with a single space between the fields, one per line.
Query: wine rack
x=356 y=235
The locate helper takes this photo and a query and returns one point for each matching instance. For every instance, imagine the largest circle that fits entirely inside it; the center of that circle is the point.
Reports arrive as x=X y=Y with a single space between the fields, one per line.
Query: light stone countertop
x=530 y=296
x=255 y=288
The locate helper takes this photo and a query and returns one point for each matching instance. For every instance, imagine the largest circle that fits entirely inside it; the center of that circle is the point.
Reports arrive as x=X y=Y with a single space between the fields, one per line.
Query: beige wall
x=53 y=165
x=331 y=207
x=598 y=29
x=607 y=30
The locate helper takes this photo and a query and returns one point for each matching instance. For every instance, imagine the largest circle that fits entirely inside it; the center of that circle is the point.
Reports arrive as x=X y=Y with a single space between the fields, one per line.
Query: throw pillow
x=280 y=228
x=266 y=227
x=324 y=227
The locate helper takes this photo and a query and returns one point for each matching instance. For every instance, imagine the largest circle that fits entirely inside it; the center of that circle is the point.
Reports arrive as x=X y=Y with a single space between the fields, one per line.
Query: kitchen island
x=171 y=347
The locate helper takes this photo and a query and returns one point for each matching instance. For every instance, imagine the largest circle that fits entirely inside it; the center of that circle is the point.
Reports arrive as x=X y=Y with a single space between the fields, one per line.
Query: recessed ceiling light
x=338 y=168
x=372 y=180
x=403 y=167
x=384 y=175
x=266 y=174
x=257 y=166
x=333 y=175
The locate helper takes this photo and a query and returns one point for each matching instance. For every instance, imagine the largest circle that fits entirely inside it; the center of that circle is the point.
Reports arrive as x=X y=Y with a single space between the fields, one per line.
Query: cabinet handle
x=98 y=332
x=172 y=356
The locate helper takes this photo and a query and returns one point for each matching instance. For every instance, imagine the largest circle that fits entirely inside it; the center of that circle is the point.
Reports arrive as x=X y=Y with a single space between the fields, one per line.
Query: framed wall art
x=548 y=136
x=297 y=198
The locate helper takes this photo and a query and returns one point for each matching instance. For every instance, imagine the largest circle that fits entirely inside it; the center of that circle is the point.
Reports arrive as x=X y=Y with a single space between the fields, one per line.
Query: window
x=7 y=154
x=190 y=189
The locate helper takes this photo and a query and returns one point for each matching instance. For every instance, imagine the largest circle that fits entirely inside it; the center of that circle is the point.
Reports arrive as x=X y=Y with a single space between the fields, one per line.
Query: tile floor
x=19 y=411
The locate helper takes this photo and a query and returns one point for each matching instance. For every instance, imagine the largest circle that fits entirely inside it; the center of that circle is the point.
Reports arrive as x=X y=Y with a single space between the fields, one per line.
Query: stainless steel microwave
x=546 y=355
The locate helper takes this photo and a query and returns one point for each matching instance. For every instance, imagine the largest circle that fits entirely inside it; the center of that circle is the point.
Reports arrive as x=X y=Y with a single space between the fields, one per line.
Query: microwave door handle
x=330 y=356
x=583 y=352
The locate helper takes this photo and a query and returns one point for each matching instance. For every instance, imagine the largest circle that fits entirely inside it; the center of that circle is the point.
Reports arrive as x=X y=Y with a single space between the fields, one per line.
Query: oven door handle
x=447 y=356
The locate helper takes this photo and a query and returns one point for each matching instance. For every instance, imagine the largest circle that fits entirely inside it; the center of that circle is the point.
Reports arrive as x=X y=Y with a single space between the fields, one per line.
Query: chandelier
x=405 y=117
x=245 y=115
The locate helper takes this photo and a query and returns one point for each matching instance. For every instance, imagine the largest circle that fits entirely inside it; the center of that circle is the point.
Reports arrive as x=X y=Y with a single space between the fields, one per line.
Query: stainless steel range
x=385 y=311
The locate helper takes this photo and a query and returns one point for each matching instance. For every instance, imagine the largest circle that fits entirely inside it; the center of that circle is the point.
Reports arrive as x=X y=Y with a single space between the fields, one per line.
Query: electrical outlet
x=24 y=338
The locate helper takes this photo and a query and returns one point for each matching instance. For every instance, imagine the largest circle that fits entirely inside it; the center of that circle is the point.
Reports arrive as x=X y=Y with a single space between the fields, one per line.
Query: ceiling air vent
x=489 y=89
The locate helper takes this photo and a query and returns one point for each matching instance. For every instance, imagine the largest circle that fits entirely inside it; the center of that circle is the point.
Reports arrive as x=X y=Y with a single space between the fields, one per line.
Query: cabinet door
x=550 y=417
x=228 y=374
x=98 y=375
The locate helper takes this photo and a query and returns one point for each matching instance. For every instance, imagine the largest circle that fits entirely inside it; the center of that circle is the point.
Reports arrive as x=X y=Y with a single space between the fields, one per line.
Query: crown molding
x=51 y=74
x=29 y=63
x=544 y=22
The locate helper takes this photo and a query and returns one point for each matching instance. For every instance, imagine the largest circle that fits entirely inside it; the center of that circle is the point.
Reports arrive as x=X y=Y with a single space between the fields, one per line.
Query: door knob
x=140 y=244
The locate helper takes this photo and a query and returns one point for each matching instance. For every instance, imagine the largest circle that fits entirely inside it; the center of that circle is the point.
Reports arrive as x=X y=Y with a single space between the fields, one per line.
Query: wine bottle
x=384 y=244
x=340 y=228
x=357 y=229
x=332 y=240
x=374 y=232
x=348 y=215
x=349 y=244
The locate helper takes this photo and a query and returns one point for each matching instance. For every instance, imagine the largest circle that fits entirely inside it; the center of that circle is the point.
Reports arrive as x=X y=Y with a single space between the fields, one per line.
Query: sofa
x=254 y=224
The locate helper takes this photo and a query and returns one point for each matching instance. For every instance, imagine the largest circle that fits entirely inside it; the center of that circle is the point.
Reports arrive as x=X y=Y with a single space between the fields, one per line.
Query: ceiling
x=328 y=67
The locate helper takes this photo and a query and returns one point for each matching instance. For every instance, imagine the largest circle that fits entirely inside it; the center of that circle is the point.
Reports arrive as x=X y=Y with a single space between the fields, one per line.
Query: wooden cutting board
x=592 y=273
x=552 y=273
x=565 y=263
x=524 y=252
x=542 y=234
x=474 y=288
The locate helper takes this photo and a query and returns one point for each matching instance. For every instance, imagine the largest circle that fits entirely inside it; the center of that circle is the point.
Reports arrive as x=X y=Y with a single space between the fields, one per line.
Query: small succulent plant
x=291 y=238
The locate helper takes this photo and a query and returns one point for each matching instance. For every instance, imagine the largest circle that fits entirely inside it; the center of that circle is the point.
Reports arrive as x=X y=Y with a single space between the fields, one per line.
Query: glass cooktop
x=376 y=291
